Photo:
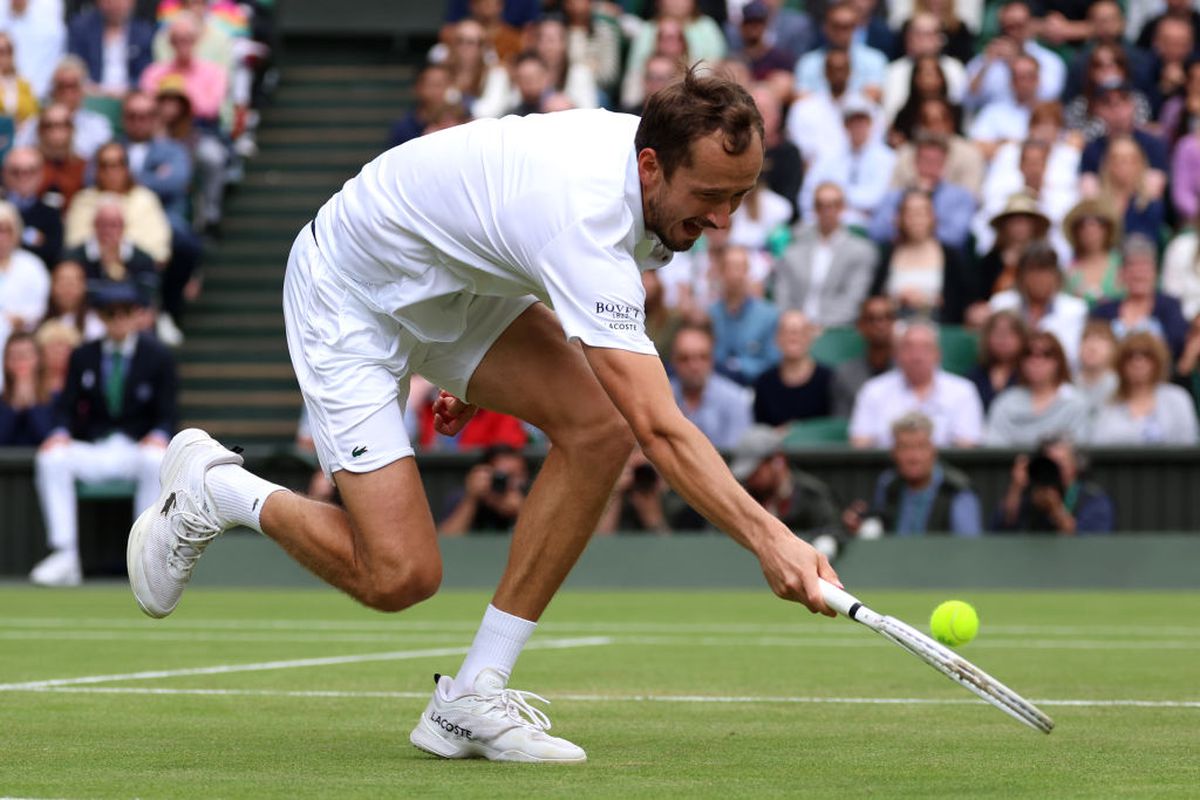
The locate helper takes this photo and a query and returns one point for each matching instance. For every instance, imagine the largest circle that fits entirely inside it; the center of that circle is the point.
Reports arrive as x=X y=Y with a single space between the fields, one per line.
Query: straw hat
x=1021 y=204
x=1093 y=207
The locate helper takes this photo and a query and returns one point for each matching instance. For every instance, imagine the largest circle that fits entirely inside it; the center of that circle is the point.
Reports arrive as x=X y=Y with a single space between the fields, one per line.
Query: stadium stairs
x=329 y=115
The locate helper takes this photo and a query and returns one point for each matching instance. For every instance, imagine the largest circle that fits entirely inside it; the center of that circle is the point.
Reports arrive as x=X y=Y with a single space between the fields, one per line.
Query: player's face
x=700 y=195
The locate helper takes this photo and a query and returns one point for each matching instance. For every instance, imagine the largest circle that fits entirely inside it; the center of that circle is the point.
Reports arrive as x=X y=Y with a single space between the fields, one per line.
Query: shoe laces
x=515 y=705
x=193 y=529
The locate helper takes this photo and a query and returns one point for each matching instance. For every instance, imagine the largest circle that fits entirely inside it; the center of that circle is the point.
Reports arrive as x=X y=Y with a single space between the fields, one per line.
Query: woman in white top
x=24 y=282
x=16 y=96
x=1045 y=405
x=1181 y=271
x=1146 y=410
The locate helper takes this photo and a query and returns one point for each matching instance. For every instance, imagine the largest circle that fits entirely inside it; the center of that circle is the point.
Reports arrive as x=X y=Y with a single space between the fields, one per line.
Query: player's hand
x=450 y=414
x=792 y=568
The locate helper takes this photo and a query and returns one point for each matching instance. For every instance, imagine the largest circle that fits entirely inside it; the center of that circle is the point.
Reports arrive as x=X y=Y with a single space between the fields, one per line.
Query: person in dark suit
x=108 y=255
x=112 y=24
x=113 y=420
x=41 y=214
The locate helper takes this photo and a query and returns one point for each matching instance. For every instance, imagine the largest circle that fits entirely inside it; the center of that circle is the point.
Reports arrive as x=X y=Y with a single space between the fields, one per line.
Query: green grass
x=272 y=740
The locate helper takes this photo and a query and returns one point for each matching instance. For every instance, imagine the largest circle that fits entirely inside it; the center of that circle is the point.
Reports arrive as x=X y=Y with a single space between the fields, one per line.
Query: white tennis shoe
x=169 y=537
x=493 y=722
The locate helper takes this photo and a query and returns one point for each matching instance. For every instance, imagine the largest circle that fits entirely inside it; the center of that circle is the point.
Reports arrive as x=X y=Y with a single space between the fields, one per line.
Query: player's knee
x=399 y=589
x=51 y=459
x=606 y=438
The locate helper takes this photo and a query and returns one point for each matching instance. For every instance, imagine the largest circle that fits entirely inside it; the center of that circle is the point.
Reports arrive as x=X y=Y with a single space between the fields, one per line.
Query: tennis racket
x=941 y=658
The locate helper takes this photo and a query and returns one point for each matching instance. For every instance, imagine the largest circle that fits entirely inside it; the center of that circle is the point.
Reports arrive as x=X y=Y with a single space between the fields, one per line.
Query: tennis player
x=444 y=257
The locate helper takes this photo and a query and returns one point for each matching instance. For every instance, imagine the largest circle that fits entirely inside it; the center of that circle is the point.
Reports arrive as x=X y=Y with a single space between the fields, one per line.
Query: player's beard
x=657 y=224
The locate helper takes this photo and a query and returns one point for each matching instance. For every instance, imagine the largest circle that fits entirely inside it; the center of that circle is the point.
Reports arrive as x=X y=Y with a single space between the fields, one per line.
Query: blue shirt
x=867 y=68
x=744 y=342
x=724 y=411
x=953 y=206
x=912 y=517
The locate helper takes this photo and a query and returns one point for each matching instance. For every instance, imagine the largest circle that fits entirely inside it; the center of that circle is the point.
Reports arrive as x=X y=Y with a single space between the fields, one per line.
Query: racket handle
x=839 y=600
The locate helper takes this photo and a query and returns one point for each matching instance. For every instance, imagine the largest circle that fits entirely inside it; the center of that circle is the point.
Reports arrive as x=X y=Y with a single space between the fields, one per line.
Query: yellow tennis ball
x=954 y=623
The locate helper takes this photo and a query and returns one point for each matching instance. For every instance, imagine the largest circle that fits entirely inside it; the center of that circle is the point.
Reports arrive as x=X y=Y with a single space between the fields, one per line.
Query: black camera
x=499 y=482
x=645 y=478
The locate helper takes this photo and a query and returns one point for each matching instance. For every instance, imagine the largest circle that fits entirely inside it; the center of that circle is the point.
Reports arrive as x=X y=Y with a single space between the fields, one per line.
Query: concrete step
x=348 y=73
x=195 y=398
x=257 y=430
x=270 y=139
x=233 y=371
x=306 y=158
x=325 y=181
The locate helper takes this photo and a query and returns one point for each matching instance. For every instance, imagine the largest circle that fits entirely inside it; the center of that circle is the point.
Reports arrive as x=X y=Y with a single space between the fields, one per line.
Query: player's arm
x=638 y=386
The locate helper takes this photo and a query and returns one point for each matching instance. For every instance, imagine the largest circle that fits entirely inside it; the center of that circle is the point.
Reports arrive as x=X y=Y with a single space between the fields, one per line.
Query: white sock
x=497 y=645
x=239 y=494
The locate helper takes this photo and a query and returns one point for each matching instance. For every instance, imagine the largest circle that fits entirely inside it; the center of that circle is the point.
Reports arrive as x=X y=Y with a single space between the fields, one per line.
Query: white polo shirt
x=548 y=205
x=953 y=406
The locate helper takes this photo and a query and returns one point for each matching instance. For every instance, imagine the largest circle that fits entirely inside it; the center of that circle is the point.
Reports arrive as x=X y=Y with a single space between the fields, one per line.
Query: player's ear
x=649 y=167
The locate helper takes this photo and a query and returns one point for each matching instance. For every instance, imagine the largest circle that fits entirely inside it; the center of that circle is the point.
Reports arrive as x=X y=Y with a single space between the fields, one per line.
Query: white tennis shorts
x=354 y=363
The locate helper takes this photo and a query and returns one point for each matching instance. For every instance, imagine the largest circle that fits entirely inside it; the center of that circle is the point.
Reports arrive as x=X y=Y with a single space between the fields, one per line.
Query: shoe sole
x=431 y=742
x=168 y=473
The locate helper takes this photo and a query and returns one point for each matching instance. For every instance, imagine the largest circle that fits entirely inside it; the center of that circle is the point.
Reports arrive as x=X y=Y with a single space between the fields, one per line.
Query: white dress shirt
x=953 y=404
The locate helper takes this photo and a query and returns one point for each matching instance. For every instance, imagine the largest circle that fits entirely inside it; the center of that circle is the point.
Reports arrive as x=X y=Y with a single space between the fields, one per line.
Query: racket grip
x=839 y=600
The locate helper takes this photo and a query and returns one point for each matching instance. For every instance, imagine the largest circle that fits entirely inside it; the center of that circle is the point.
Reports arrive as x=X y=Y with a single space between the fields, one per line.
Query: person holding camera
x=636 y=504
x=1047 y=494
x=492 y=494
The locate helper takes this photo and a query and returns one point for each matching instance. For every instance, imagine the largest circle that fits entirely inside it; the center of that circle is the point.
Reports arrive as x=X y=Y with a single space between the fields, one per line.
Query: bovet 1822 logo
x=620 y=316
x=448 y=726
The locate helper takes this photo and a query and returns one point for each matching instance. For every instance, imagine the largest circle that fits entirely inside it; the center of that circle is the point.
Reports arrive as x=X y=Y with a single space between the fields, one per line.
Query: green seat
x=817 y=430
x=837 y=345
x=109 y=107
x=104 y=490
x=960 y=349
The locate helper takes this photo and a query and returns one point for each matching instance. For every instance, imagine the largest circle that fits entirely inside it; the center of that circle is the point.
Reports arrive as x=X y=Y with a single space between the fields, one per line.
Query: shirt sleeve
x=968 y=421
x=965 y=517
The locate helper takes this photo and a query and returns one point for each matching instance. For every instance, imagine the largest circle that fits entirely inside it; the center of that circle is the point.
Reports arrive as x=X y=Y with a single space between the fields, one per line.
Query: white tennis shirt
x=548 y=205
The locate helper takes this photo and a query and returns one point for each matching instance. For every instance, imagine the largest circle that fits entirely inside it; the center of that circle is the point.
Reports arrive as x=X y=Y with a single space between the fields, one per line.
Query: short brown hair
x=1005 y=316
x=692 y=108
x=1049 y=341
x=1140 y=342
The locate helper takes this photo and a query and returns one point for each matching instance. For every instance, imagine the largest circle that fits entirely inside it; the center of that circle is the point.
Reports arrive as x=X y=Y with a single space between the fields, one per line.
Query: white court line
x=221 y=669
x=603 y=698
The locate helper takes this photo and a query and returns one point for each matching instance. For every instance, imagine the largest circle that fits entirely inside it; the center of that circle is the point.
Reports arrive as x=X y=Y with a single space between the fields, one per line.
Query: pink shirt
x=204 y=82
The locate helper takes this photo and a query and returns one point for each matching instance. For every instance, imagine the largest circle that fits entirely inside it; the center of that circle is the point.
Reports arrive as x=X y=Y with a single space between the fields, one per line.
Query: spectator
x=431 y=92
x=1114 y=107
x=24 y=282
x=636 y=504
x=594 y=39
x=1002 y=342
x=988 y=73
x=662 y=321
x=26 y=415
x=42 y=34
x=1048 y=494
x=923 y=39
x=1126 y=184
x=679 y=29
x=661 y=70
x=1174 y=9
x=571 y=78
x=1188 y=365
x=862 y=171
x=814 y=122
x=89 y=128
x=1006 y=119
x=531 y=85
x=1185 y=172
x=1094 y=231
x=112 y=421
x=867 y=65
x=1107 y=20
x=1107 y=65
x=1019 y=224
x=918 y=383
x=764 y=60
x=42 y=220
x=965 y=166
x=493 y=493
x=1045 y=404
x=1146 y=409
x=499 y=36
x=876 y=324
x=476 y=72
x=927 y=81
x=797 y=387
x=953 y=205
x=146 y=223
x=109 y=255
x=957 y=18
x=826 y=270
x=62 y=169
x=716 y=405
x=783 y=168
x=115 y=45
x=1180 y=114
x=743 y=325
x=923 y=275
x=919 y=494
x=1181 y=271
x=218 y=40
x=786 y=28
x=68 y=301
x=17 y=100
x=760 y=217
x=1039 y=300
x=56 y=341
x=161 y=164
x=873 y=29
x=1144 y=308
x=1096 y=379
x=799 y=499
x=1174 y=43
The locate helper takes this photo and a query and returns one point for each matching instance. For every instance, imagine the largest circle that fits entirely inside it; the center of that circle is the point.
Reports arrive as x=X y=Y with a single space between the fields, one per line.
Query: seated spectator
x=1144 y=308
x=1181 y=271
x=1181 y=114
x=662 y=321
x=594 y=38
x=814 y=122
x=1039 y=300
x=783 y=168
x=1006 y=119
x=146 y=223
x=862 y=171
x=1002 y=343
x=679 y=29
x=42 y=33
x=17 y=100
x=918 y=383
x=760 y=217
x=220 y=34
x=1146 y=409
x=876 y=325
x=764 y=59
x=1049 y=494
x=476 y=72
x=1174 y=44
x=920 y=494
x=492 y=495
x=923 y=44
x=1125 y=183
x=787 y=28
x=636 y=504
x=802 y=501
x=68 y=301
x=826 y=270
x=797 y=387
x=90 y=129
x=927 y=82
x=1114 y=107
x=988 y=73
x=115 y=45
x=1185 y=173
x=867 y=65
x=1188 y=365
x=1107 y=65
x=716 y=405
x=1096 y=379
x=743 y=325
x=501 y=32
x=112 y=421
x=1094 y=231
x=26 y=414
x=661 y=69
x=953 y=205
x=109 y=255
x=24 y=281
x=156 y=161
x=205 y=83
x=56 y=341
x=62 y=169
x=42 y=220
x=531 y=86
x=574 y=79
x=958 y=19
x=431 y=93
x=1170 y=10
x=1044 y=405
x=965 y=166
x=924 y=276
x=1107 y=21
x=1019 y=224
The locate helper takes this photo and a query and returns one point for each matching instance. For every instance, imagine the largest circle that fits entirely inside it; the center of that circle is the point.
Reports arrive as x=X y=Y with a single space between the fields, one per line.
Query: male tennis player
x=443 y=257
